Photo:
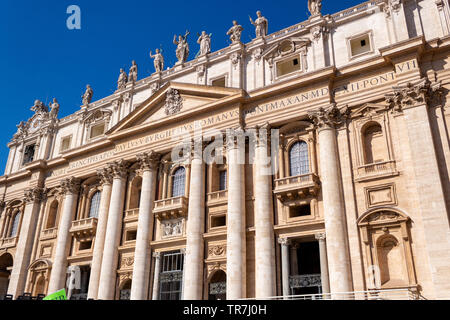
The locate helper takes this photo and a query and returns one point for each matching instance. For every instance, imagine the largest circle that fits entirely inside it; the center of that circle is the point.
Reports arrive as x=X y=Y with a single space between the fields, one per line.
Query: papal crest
x=174 y=102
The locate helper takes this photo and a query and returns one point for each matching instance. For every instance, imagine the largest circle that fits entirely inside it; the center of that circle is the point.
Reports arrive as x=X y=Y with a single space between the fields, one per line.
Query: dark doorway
x=6 y=263
x=306 y=279
x=218 y=286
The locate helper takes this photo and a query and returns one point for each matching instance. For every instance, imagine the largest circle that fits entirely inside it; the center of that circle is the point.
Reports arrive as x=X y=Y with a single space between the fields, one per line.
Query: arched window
x=298 y=159
x=15 y=225
x=95 y=205
x=178 y=182
x=374 y=144
x=53 y=212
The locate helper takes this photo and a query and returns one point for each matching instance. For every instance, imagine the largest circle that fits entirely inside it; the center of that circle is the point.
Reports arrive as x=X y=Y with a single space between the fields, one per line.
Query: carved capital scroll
x=70 y=185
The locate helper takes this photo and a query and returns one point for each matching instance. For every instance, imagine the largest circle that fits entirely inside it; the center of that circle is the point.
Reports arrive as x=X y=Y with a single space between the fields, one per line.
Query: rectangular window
x=131 y=235
x=300 y=211
x=223 y=180
x=221 y=82
x=360 y=45
x=171 y=276
x=85 y=245
x=288 y=66
x=97 y=130
x=218 y=221
x=66 y=143
x=28 y=155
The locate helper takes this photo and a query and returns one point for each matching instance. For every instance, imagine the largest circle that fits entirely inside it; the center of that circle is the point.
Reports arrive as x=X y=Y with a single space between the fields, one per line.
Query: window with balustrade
x=171 y=276
x=178 y=182
x=95 y=205
x=299 y=159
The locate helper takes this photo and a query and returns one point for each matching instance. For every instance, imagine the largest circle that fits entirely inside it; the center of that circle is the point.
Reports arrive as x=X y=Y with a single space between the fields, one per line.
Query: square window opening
x=131 y=235
x=288 y=66
x=97 y=130
x=221 y=82
x=86 y=245
x=300 y=211
x=360 y=45
x=28 y=156
x=65 y=144
x=219 y=221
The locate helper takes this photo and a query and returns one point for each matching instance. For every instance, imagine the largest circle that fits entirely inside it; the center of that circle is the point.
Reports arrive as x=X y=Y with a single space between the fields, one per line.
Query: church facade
x=311 y=161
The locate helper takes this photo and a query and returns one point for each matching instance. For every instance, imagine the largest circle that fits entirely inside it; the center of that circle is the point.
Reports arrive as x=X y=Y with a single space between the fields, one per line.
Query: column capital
x=105 y=175
x=413 y=94
x=148 y=160
x=183 y=251
x=234 y=136
x=34 y=195
x=119 y=169
x=330 y=117
x=320 y=236
x=156 y=255
x=284 y=241
x=70 y=185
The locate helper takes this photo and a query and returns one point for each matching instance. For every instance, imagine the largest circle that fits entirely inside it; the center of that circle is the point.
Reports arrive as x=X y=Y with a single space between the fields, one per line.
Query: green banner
x=60 y=295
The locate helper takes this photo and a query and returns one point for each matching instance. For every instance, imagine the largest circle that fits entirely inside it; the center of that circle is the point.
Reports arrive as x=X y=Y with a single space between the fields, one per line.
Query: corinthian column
x=193 y=280
x=142 y=258
x=236 y=244
x=70 y=187
x=33 y=199
x=106 y=289
x=105 y=176
x=264 y=237
x=333 y=201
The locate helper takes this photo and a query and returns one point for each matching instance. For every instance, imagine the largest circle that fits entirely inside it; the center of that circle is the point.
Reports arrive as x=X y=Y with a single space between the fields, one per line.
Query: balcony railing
x=396 y=294
x=305 y=281
x=49 y=234
x=171 y=208
x=217 y=198
x=375 y=170
x=132 y=215
x=84 y=229
x=291 y=188
x=8 y=243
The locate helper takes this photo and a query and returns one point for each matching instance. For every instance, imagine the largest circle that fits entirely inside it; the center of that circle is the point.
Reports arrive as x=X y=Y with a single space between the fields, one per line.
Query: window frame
x=359 y=36
x=301 y=165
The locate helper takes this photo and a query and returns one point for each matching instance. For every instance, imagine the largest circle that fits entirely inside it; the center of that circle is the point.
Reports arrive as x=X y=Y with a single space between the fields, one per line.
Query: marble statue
x=123 y=79
x=235 y=32
x=87 y=96
x=159 y=60
x=54 y=109
x=39 y=107
x=132 y=77
x=315 y=7
x=182 y=51
x=204 y=41
x=261 y=24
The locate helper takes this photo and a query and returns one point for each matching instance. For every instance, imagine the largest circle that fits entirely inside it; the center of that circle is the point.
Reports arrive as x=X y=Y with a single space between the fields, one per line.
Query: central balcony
x=171 y=208
x=292 y=188
x=84 y=230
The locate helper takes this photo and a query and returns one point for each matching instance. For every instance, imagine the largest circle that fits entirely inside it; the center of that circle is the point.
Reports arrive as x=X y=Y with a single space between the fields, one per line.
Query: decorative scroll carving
x=105 y=175
x=172 y=228
x=149 y=160
x=34 y=195
x=320 y=236
x=413 y=94
x=331 y=117
x=70 y=185
x=284 y=241
x=127 y=262
x=235 y=58
x=217 y=251
x=119 y=168
x=174 y=102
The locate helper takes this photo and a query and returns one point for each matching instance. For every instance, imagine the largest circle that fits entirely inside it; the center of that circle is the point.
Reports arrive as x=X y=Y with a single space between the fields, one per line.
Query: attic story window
x=221 y=82
x=65 y=143
x=289 y=65
x=97 y=130
x=360 y=45
x=28 y=155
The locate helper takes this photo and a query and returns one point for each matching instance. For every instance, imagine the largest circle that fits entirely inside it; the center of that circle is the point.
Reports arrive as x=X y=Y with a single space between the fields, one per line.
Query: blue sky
x=42 y=59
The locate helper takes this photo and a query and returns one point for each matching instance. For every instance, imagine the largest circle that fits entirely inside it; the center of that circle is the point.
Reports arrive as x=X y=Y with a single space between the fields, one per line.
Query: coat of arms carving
x=174 y=102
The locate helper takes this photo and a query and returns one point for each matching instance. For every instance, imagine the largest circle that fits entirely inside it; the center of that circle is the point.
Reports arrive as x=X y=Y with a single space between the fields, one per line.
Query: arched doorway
x=6 y=263
x=39 y=287
x=218 y=286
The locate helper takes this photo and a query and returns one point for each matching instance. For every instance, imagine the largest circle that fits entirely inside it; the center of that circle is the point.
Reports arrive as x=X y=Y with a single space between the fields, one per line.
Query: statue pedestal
x=315 y=18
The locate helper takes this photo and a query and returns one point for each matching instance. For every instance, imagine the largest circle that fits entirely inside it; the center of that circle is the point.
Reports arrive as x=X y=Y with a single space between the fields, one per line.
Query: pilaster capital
x=320 y=236
x=235 y=138
x=70 y=185
x=413 y=94
x=119 y=169
x=284 y=241
x=156 y=255
x=105 y=175
x=330 y=117
x=34 y=195
x=148 y=160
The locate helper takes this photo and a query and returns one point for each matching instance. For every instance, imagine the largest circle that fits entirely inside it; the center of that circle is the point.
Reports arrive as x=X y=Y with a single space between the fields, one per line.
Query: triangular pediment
x=175 y=100
x=368 y=109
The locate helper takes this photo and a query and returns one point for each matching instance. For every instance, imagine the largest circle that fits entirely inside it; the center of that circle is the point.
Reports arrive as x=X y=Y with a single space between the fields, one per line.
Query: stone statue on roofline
x=158 y=60
x=182 y=51
x=54 y=109
x=87 y=96
x=39 y=107
x=204 y=41
x=132 y=77
x=315 y=7
x=261 y=24
x=123 y=79
x=235 y=32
